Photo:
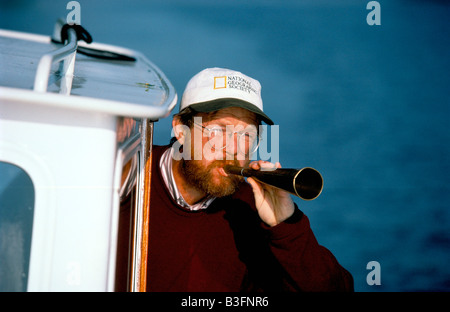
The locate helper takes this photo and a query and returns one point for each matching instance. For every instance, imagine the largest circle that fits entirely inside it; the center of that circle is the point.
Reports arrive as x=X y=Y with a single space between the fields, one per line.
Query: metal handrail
x=66 y=53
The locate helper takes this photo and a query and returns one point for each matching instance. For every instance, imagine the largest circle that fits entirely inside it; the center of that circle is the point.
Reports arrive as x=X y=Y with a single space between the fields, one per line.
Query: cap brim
x=214 y=105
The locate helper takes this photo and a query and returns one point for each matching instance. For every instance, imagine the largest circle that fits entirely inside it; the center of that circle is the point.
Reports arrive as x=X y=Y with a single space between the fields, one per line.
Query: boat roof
x=123 y=83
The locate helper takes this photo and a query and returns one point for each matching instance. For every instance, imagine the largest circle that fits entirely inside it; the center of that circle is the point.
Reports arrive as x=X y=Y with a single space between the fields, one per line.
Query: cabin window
x=17 y=198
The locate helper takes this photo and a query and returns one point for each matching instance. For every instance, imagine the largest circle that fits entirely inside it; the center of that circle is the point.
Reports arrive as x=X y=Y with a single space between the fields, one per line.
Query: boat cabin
x=76 y=124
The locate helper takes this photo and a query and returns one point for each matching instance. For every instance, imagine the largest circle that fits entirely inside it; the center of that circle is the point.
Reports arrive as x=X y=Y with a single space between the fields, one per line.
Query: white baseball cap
x=216 y=88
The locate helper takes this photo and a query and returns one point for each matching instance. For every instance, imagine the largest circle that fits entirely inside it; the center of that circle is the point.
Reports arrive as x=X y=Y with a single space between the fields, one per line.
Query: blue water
x=368 y=106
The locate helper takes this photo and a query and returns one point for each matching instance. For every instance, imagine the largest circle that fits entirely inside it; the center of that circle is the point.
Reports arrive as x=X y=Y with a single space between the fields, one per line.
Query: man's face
x=204 y=170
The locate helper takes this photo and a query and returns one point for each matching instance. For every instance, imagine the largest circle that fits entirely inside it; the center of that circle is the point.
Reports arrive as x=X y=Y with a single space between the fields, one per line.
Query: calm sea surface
x=368 y=106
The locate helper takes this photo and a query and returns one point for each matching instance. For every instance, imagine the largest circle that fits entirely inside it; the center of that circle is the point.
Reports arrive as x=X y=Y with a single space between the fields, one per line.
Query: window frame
x=25 y=240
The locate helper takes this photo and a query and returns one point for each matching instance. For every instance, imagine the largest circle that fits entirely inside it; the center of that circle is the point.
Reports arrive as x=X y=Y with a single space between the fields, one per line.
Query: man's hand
x=273 y=205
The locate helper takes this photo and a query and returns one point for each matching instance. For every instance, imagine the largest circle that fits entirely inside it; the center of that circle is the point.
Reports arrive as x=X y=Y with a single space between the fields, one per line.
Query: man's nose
x=232 y=144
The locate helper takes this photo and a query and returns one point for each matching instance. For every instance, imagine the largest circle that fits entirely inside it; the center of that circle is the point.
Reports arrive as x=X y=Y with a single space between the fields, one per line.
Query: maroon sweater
x=228 y=248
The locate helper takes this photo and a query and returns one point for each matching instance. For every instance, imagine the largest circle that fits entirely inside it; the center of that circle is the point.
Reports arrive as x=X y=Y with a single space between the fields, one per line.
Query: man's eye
x=250 y=136
x=216 y=132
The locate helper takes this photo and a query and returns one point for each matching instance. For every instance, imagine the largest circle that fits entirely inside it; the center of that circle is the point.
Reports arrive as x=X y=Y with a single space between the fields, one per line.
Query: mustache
x=223 y=163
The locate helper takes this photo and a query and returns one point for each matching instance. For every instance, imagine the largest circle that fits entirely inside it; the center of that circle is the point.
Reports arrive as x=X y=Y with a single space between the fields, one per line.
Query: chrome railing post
x=67 y=53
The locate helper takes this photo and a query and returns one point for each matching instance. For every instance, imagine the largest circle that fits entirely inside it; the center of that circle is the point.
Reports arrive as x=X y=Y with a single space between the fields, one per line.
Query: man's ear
x=179 y=130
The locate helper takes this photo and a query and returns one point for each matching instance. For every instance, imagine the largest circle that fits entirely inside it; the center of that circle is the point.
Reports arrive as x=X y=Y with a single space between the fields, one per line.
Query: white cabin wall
x=77 y=159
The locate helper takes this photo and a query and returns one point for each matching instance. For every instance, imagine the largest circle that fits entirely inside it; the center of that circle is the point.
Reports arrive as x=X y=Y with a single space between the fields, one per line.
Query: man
x=210 y=231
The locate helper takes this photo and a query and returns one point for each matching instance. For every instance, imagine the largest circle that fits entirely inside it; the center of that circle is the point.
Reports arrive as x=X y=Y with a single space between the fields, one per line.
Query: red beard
x=208 y=180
